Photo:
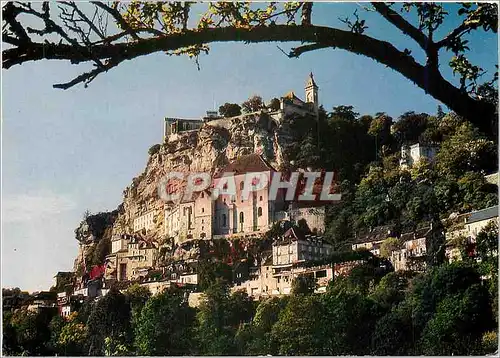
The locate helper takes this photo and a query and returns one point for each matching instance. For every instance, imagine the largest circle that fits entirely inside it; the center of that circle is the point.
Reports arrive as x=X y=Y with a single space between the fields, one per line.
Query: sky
x=65 y=152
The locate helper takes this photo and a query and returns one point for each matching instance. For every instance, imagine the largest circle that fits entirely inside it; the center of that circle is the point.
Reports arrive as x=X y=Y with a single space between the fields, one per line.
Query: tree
x=137 y=297
x=154 y=149
x=215 y=331
x=274 y=104
x=458 y=326
x=72 y=34
x=298 y=330
x=110 y=317
x=466 y=150
x=253 y=104
x=348 y=320
x=30 y=332
x=72 y=337
x=230 y=110
x=303 y=285
x=165 y=325
x=388 y=246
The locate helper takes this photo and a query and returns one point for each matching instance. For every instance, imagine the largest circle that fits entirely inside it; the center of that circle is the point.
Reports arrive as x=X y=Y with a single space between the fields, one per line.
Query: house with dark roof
x=372 y=239
x=463 y=229
x=413 y=251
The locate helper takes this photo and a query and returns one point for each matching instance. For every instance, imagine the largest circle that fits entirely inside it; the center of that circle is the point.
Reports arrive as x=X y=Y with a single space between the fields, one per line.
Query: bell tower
x=312 y=92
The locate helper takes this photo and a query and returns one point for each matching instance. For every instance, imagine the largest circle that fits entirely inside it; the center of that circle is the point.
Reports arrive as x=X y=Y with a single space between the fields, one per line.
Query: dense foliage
x=446 y=310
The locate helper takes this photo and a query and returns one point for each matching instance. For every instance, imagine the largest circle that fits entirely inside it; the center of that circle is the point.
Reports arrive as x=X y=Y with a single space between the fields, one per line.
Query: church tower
x=312 y=92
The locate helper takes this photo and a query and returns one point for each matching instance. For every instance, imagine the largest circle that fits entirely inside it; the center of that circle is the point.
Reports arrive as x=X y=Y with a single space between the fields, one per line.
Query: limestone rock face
x=207 y=149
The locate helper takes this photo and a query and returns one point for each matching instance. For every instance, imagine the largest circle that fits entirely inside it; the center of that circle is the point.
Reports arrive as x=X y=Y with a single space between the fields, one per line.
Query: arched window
x=259 y=211
x=223 y=220
x=242 y=217
x=241 y=185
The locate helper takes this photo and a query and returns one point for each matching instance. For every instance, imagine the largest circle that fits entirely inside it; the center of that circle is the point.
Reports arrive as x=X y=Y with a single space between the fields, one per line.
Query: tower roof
x=310 y=81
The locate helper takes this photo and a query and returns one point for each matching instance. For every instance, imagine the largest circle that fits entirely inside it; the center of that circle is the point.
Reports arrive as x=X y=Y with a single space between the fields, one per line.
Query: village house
x=412 y=154
x=463 y=229
x=290 y=256
x=373 y=239
x=42 y=300
x=131 y=257
x=412 y=254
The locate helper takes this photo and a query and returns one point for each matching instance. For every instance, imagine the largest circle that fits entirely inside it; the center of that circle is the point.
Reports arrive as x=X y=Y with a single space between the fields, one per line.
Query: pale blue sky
x=68 y=151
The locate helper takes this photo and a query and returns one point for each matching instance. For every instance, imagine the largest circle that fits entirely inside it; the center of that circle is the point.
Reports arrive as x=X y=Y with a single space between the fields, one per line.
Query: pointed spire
x=310 y=81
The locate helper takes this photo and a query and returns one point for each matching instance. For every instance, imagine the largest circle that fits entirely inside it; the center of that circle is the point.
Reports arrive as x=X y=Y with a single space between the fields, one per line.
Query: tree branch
x=397 y=20
x=119 y=19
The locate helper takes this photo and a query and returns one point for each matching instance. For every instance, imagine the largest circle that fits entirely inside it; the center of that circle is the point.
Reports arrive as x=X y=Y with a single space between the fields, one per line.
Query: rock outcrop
x=207 y=149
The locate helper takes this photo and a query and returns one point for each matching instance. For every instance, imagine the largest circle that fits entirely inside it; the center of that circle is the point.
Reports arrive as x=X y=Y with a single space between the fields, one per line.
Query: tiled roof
x=247 y=164
x=417 y=234
x=378 y=233
x=291 y=95
x=485 y=214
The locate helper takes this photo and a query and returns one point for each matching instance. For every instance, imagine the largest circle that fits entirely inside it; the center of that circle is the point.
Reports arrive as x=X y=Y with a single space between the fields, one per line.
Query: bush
x=154 y=149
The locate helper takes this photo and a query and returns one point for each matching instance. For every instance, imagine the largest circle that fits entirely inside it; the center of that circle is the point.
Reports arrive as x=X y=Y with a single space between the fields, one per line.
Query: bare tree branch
x=397 y=20
x=119 y=19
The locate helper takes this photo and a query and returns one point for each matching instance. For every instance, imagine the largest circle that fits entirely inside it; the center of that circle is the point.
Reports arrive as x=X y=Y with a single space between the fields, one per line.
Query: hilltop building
x=412 y=154
x=289 y=104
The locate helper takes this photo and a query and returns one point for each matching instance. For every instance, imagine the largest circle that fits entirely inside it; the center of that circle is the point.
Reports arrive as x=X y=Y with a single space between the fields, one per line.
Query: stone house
x=131 y=257
x=412 y=154
x=466 y=227
x=173 y=126
x=373 y=239
x=413 y=252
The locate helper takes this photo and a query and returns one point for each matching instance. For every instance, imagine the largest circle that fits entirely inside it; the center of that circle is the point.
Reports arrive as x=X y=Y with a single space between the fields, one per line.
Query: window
x=259 y=211
x=241 y=185
x=242 y=218
x=202 y=210
x=202 y=221
x=260 y=198
x=202 y=195
x=223 y=220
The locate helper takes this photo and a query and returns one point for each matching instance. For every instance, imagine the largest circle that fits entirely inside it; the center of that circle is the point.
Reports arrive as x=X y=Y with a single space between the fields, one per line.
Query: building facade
x=412 y=154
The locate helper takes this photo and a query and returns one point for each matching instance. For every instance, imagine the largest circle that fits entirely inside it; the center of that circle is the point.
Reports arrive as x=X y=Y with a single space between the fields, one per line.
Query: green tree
x=154 y=149
x=274 y=104
x=253 y=104
x=137 y=297
x=256 y=338
x=72 y=337
x=109 y=317
x=458 y=326
x=466 y=150
x=215 y=330
x=388 y=246
x=165 y=326
x=230 y=110
x=303 y=285
x=298 y=330
x=32 y=332
x=393 y=333
x=348 y=321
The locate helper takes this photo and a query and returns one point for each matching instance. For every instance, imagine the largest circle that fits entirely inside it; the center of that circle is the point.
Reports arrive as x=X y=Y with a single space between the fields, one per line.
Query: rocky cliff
x=207 y=149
